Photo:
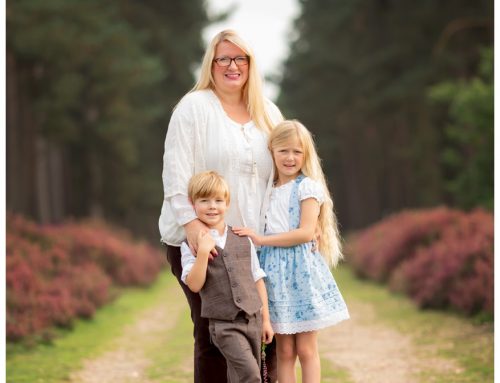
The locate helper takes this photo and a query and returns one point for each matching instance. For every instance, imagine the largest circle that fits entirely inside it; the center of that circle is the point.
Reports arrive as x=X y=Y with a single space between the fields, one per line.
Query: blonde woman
x=222 y=124
x=303 y=296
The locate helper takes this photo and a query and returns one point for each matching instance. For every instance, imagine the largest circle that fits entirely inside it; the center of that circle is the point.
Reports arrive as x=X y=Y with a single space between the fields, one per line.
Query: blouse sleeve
x=182 y=209
x=309 y=188
x=178 y=157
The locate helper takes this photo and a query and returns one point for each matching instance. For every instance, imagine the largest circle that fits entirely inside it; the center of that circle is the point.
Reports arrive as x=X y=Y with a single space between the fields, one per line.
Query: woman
x=222 y=124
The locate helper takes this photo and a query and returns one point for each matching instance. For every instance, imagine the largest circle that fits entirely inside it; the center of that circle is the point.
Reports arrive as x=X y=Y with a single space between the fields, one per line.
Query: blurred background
x=399 y=95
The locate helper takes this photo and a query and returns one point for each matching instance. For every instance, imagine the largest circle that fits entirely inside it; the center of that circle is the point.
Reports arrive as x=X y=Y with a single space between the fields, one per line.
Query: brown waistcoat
x=229 y=287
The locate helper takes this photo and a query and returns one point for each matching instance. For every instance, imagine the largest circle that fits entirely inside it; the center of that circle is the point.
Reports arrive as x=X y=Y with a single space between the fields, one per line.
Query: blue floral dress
x=303 y=295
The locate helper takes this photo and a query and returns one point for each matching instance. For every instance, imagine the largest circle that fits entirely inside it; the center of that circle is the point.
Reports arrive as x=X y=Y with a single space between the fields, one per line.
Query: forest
x=399 y=95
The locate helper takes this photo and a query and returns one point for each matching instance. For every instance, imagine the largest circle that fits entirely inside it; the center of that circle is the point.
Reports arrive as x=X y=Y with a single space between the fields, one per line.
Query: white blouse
x=277 y=216
x=201 y=137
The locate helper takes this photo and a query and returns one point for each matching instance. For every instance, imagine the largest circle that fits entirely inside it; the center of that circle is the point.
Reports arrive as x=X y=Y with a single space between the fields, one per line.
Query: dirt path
x=375 y=353
x=369 y=350
x=126 y=362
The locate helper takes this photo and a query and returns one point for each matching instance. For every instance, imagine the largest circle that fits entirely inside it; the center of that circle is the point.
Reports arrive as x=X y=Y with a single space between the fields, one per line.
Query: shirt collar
x=215 y=233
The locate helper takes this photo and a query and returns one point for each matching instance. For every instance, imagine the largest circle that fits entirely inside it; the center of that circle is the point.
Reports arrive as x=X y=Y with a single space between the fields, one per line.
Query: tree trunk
x=49 y=176
x=20 y=128
x=34 y=164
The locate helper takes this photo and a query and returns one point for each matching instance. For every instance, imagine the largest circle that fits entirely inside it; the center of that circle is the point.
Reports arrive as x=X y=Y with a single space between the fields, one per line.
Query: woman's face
x=233 y=77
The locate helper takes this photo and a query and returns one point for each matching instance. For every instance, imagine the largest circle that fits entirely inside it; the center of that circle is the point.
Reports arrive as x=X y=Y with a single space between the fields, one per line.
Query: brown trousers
x=209 y=364
x=239 y=341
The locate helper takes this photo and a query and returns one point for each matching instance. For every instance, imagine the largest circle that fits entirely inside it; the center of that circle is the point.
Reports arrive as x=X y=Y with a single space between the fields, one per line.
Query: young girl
x=303 y=296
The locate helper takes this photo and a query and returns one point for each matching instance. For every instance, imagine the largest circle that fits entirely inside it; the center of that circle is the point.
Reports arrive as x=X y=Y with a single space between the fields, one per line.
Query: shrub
x=57 y=273
x=376 y=251
x=443 y=259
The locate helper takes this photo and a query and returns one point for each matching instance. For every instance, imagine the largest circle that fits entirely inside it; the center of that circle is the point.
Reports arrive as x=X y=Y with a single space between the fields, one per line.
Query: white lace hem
x=311 y=325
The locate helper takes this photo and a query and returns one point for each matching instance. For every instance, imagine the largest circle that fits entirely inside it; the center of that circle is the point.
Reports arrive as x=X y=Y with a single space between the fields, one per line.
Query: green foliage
x=101 y=79
x=358 y=76
x=468 y=152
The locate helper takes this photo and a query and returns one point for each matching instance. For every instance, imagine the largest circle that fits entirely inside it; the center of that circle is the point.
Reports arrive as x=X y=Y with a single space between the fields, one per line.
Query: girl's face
x=288 y=158
x=230 y=78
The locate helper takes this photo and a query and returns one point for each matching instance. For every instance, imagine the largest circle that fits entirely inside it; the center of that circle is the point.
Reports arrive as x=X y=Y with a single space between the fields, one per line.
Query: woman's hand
x=192 y=230
x=246 y=232
x=267 y=332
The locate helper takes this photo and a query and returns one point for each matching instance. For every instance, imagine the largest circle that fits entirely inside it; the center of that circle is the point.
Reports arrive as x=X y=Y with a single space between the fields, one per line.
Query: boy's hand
x=245 y=231
x=267 y=332
x=205 y=242
x=192 y=230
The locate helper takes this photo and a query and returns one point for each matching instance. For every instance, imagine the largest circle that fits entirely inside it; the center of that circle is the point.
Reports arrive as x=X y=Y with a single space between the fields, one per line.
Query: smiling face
x=288 y=159
x=232 y=78
x=211 y=211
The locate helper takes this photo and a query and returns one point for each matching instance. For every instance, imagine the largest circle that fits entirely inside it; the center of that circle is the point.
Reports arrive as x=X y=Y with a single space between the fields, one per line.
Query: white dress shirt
x=188 y=259
x=201 y=137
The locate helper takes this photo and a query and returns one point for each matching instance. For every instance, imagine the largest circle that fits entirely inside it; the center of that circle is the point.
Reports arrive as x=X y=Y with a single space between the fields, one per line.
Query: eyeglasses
x=226 y=61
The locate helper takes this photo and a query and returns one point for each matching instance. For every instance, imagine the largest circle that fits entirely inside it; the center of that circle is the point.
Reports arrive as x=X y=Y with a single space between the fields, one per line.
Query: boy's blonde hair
x=252 y=91
x=208 y=184
x=329 y=241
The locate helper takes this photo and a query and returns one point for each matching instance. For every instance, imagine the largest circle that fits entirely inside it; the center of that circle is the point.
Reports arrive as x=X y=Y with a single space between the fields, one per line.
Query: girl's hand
x=267 y=332
x=317 y=236
x=246 y=232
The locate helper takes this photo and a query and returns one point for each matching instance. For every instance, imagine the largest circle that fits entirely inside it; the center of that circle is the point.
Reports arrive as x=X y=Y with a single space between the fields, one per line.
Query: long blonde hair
x=329 y=241
x=252 y=90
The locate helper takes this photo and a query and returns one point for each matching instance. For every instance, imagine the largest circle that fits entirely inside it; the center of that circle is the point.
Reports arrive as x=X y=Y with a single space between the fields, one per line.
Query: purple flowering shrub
x=441 y=258
x=57 y=273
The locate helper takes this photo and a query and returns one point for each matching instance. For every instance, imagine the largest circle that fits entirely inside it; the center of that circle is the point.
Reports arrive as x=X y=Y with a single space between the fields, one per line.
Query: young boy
x=233 y=293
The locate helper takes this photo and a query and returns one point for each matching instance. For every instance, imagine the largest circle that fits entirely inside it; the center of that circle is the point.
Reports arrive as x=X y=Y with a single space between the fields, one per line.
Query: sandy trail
x=370 y=351
x=126 y=361
x=375 y=353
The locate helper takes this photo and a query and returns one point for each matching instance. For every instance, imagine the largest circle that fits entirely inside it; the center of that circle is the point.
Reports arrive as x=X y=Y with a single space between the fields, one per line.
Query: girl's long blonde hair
x=329 y=241
x=252 y=91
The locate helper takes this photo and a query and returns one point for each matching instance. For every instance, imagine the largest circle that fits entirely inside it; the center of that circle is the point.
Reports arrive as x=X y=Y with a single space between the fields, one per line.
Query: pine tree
x=358 y=77
x=90 y=89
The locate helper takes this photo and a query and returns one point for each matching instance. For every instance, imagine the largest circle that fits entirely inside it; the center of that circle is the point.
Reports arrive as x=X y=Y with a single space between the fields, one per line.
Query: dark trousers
x=239 y=341
x=209 y=363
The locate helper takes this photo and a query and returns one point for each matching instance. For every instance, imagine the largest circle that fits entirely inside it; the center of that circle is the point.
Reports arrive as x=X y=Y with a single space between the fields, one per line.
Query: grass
x=172 y=359
x=48 y=363
x=334 y=374
x=330 y=373
x=463 y=342
x=447 y=334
